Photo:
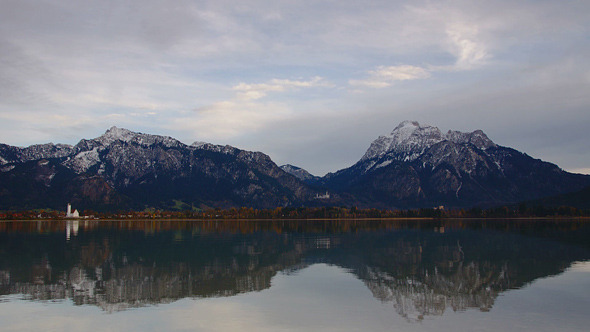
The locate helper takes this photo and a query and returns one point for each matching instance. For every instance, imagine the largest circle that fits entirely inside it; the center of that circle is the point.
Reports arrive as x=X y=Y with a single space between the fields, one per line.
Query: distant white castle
x=70 y=214
x=325 y=196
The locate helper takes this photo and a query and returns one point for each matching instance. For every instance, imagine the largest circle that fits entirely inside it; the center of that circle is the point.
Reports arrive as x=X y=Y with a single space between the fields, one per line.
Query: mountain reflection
x=422 y=268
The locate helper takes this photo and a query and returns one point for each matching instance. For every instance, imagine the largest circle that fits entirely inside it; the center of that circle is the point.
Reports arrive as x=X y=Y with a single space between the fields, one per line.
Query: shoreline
x=553 y=218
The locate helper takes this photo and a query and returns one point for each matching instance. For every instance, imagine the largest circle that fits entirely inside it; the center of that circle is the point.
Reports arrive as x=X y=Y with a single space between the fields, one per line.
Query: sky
x=310 y=83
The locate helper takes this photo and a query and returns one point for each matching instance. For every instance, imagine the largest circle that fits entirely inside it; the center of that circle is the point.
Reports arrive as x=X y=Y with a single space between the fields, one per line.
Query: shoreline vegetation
x=311 y=213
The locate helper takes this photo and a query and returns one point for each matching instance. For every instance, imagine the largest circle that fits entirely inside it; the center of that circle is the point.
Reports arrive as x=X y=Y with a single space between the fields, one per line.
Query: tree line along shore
x=520 y=211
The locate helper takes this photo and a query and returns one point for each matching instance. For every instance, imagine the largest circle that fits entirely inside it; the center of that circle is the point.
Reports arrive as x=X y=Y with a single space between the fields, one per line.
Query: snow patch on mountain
x=83 y=161
x=225 y=149
x=409 y=140
x=124 y=135
x=49 y=150
x=477 y=138
x=13 y=154
x=383 y=164
x=290 y=168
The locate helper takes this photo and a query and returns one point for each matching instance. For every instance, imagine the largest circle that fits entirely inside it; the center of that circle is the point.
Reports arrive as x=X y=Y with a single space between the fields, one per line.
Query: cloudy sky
x=310 y=83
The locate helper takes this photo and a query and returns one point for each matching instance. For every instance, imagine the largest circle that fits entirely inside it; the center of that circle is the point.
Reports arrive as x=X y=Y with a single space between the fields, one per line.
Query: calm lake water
x=332 y=275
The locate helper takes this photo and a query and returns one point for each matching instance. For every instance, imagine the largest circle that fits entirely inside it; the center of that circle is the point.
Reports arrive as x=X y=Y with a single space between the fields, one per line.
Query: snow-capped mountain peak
x=114 y=134
x=412 y=134
x=409 y=138
x=405 y=129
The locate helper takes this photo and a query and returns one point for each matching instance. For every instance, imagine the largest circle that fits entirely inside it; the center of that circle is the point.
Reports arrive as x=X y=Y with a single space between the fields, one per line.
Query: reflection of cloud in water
x=288 y=306
x=421 y=273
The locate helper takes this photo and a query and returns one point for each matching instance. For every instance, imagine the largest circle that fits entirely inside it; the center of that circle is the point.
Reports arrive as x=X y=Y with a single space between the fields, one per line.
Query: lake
x=289 y=275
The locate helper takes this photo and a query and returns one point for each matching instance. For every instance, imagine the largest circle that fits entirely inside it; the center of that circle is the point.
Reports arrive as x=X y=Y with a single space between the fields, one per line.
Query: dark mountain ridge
x=414 y=166
x=578 y=199
x=124 y=169
x=418 y=166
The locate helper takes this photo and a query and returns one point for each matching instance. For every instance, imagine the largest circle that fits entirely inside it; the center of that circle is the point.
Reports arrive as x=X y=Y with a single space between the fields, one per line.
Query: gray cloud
x=516 y=70
x=16 y=87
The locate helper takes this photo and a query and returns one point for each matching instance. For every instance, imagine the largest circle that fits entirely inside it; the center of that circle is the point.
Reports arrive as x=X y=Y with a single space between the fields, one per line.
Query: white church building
x=70 y=214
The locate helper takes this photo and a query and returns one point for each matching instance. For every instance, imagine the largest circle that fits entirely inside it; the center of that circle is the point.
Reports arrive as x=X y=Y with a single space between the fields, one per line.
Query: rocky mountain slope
x=413 y=166
x=419 y=166
x=300 y=173
x=125 y=169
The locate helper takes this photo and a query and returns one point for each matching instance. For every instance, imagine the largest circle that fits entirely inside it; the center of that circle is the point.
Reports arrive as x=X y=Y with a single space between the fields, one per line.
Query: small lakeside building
x=70 y=214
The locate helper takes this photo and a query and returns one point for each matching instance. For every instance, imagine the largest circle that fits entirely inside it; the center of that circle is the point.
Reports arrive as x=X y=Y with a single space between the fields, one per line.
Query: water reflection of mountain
x=422 y=268
x=428 y=273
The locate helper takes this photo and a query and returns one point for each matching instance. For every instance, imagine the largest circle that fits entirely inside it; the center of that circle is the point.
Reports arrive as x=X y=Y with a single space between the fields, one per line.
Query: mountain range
x=413 y=166
x=127 y=170
x=420 y=166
